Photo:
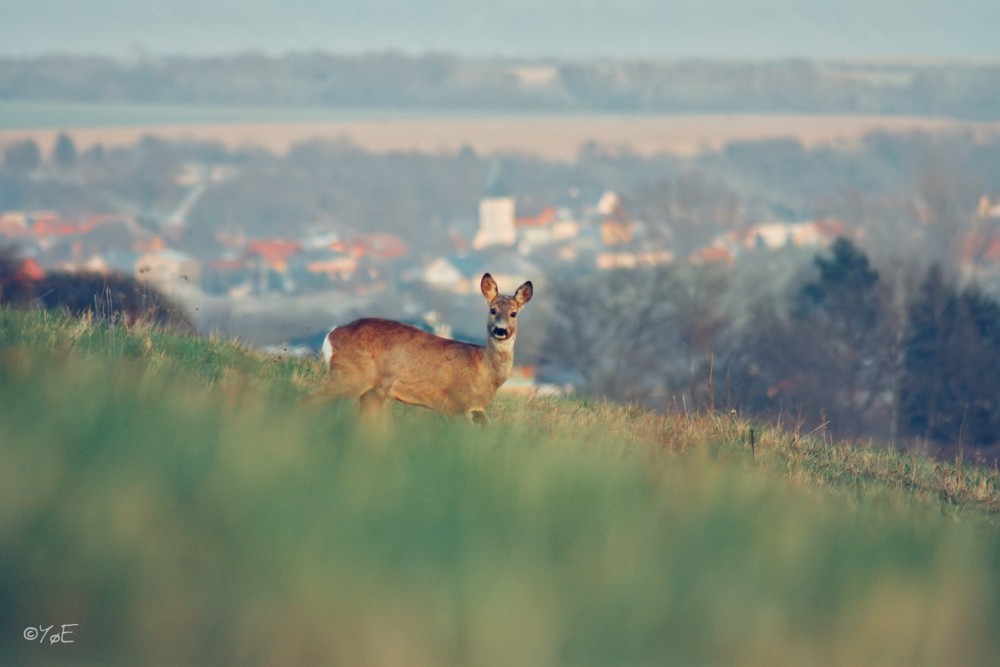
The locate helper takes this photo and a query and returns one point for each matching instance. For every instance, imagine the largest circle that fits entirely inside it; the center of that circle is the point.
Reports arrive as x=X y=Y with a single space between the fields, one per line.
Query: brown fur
x=373 y=359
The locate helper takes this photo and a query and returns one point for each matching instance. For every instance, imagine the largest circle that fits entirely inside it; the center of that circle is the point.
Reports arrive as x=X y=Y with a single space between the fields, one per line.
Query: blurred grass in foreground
x=171 y=497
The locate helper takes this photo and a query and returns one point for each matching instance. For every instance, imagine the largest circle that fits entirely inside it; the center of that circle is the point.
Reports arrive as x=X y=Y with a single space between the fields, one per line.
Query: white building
x=496 y=223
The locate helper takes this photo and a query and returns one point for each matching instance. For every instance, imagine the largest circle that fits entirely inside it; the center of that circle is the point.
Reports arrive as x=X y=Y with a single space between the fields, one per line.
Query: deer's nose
x=500 y=332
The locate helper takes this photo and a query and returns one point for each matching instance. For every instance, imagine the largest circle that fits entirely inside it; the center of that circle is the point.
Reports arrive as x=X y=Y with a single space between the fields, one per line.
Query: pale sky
x=527 y=28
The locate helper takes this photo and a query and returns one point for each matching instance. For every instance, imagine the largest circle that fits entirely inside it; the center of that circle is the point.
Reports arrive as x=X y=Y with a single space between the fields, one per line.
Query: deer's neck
x=499 y=357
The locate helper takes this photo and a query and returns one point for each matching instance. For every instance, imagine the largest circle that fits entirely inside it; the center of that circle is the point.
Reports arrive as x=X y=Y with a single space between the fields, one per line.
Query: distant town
x=600 y=235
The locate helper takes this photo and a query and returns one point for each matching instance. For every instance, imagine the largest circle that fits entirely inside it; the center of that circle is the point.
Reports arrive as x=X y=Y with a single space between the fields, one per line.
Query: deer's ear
x=488 y=286
x=523 y=293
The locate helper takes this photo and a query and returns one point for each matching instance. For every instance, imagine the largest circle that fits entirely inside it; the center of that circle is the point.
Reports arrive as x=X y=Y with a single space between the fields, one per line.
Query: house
x=50 y=223
x=546 y=217
x=550 y=226
x=327 y=266
x=16 y=284
x=461 y=274
x=617 y=232
x=803 y=235
x=100 y=243
x=450 y=274
x=14 y=224
x=378 y=246
x=988 y=209
x=269 y=260
x=617 y=226
x=608 y=203
x=776 y=235
x=273 y=254
x=711 y=255
x=48 y=228
x=981 y=246
x=633 y=259
x=29 y=271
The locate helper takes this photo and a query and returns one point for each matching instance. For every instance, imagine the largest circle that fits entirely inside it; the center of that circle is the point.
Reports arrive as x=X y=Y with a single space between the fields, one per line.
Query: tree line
x=394 y=80
x=846 y=348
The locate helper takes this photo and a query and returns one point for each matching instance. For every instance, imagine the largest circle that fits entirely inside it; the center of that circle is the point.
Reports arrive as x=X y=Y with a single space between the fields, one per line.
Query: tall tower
x=496 y=223
x=496 y=213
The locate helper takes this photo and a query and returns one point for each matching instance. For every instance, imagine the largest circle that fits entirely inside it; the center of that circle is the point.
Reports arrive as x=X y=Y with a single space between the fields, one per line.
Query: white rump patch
x=327 y=348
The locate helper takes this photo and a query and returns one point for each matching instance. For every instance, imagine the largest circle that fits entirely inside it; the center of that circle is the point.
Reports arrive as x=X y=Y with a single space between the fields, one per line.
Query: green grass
x=175 y=498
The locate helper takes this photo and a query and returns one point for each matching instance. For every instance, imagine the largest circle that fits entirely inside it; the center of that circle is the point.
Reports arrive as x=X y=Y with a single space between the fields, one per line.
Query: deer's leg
x=479 y=417
x=347 y=378
x=329 y=392
x=371 y=402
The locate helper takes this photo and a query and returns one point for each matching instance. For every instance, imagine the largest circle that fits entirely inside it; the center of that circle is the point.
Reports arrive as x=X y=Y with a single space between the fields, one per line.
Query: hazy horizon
x=961 y=29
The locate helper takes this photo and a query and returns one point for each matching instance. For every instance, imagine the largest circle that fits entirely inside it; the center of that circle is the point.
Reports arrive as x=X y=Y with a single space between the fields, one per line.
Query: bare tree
x=638 y=336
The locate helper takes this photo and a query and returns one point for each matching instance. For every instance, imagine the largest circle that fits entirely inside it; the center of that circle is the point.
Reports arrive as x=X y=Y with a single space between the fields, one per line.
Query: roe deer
x=373 y=359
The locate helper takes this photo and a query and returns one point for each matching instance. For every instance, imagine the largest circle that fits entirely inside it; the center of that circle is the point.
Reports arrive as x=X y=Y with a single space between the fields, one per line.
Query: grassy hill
x=174 y=499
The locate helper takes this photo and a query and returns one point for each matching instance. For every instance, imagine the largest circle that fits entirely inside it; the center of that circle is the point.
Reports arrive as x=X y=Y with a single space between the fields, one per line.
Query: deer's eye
x=493 y=311
x=514 y=314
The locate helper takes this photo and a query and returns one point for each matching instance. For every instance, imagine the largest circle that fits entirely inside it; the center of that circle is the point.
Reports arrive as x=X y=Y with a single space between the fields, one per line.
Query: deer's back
x=394 y=347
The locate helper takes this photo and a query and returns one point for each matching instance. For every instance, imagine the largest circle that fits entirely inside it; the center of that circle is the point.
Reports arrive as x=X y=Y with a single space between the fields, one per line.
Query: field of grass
x=174 y=501
x=557 y=136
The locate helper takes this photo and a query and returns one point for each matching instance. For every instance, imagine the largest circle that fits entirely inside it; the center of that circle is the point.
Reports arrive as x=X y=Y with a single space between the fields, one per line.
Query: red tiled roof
x=29 y=271
x=979 y=248
x=991 y=252
x=831 y=228
x=54 y=227
x=380 y=245
x=275 y=253
x=547 y=216
x=712 y=254
x=11 y=228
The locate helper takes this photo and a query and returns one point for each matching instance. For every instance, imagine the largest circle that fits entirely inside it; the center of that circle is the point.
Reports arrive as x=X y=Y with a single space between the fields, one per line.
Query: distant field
x=557 y=136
